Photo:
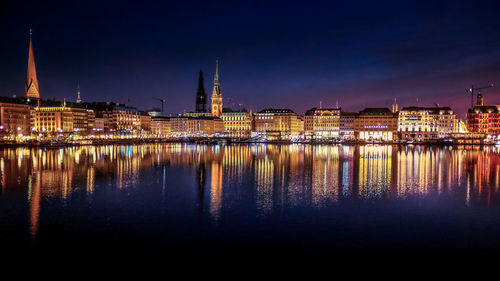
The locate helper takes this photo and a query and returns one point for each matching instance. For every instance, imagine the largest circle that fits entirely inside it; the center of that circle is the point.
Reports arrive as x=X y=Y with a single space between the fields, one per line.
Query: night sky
x=273 y=53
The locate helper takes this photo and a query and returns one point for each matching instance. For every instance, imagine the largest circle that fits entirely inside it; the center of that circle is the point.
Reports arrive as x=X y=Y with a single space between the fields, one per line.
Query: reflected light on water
x=267 y=177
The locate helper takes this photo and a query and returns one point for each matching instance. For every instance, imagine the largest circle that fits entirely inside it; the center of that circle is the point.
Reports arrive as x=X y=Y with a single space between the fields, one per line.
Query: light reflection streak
x=277 y=175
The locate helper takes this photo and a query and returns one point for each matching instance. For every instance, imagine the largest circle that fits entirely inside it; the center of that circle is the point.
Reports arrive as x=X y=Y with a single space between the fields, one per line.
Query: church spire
x=216 y=94
x=201 y=96
x=216 y=79
x=31 y=89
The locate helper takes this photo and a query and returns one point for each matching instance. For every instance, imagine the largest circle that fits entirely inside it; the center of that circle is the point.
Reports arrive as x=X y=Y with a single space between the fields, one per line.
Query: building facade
x=322 y=123
x=238 y=124
x=161 y=127
x=53 y=120
x=15 y=117
x=56 y=118
x=196 y=126
x=119 y=119
x=426 y=123
x=484 y=119
x=346 y=128
x=277 y=124
x=376 y=124
x=145 y=122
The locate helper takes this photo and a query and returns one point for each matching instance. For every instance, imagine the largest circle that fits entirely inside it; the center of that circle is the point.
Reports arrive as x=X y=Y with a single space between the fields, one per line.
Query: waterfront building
x=31 y=89
x=277 y=124
x=161 y=127
x=237 y=123
x=376 y=124
x=196 y=126
x=322 y=123
x=53 y=120
x=425 y=123
x=201 y=96
x=90 y=120
x=56 y=118
x=15 y=117
x=346 y=128
x=145 y=121
x=484 y=119
x=118 y=118
x=216 y=94
x=98 y=125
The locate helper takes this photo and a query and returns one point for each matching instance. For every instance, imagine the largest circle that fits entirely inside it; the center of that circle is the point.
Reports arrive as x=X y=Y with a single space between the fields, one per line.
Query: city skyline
x=255 y=88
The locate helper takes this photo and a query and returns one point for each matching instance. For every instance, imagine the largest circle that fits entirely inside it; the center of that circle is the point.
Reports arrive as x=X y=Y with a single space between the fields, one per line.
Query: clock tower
x=216 y=94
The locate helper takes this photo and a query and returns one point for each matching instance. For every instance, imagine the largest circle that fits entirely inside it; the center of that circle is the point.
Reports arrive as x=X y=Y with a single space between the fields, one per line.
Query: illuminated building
x=217 y=94
x=346 y=128
x=201 y=96
x=118 y=118
x=277 y=123
x=161 y=126
x=61 y=119
x=31 y=89
x=237 y=123
x=145 y=121
x=14 y=117
x=322 y=123
x=53 y=120
x=99 y=124
x=192 y=126
x=484 y=119
x=424 y=123
x=90 y=120
x=375 y=124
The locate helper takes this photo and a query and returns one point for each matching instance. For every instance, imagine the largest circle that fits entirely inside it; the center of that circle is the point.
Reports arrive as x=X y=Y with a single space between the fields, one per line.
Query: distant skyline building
x=78 y=98
x=483 y=118
x=31 y=90
x=201 y=96
x=217 y=94
x=395 y=106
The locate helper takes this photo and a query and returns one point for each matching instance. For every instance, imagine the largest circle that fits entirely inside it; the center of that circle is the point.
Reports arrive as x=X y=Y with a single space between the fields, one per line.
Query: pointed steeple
x=201 y=96
x=31 y=90
x=78 y=99
x=216 y=80
x=216 y=94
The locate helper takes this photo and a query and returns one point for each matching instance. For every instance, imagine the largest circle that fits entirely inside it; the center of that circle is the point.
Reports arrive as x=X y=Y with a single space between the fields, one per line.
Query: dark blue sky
x=273 y=53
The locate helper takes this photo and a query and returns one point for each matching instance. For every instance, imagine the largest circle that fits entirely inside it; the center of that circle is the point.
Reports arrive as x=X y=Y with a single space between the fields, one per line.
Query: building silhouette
x=201 y=96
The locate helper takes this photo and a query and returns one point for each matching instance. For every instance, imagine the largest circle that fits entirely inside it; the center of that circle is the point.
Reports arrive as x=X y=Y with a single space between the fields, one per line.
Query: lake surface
x=276 y=200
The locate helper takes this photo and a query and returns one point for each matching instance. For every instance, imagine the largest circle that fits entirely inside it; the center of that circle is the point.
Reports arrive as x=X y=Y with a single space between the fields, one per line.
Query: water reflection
x=268 y=178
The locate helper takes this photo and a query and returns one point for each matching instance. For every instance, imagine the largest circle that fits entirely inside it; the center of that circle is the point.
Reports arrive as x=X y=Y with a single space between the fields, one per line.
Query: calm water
x=252 y=198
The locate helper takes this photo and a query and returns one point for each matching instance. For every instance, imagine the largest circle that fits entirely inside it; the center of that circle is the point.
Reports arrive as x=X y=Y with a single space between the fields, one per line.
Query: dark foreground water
x=263 y=202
